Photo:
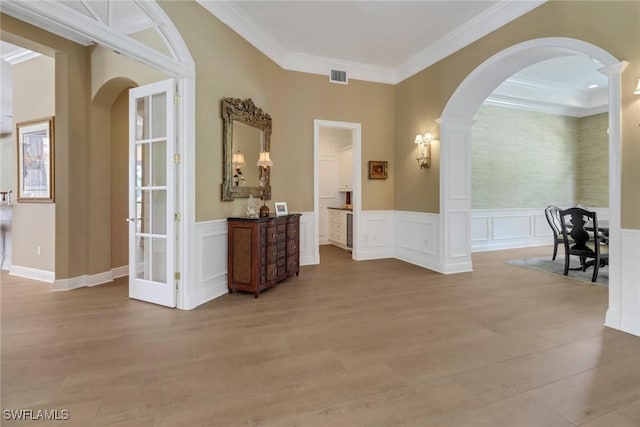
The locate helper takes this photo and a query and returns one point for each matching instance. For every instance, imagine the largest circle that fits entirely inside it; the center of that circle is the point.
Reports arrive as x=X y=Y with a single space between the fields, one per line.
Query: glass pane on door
x=152 y=194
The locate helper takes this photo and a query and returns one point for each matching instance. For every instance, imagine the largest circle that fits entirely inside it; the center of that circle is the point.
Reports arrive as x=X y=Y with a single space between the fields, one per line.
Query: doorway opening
x=337 y=185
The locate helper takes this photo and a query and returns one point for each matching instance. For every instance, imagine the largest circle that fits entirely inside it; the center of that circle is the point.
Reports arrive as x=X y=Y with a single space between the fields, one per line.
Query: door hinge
x=176 y=99
x=177 y=276
x=177 y=158
x=177 y=217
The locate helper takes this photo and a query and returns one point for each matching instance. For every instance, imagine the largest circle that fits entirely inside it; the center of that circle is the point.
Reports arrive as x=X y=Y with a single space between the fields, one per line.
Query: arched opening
x=455 y=161
x=111 y=104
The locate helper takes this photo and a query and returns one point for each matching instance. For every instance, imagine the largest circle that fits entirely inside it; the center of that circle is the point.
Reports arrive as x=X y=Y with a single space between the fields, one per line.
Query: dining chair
x=580 y=242
x=551 y=213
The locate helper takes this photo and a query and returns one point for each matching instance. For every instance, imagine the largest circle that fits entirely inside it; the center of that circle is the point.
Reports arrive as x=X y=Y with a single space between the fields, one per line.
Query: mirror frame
x=244 y=111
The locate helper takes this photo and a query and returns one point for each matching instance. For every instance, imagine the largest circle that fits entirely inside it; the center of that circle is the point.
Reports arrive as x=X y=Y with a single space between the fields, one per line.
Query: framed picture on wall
x=36 y=160
x=378 y=169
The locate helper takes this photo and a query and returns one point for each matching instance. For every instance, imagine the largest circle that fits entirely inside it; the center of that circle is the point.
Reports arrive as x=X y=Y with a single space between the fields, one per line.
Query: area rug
x=546 y=265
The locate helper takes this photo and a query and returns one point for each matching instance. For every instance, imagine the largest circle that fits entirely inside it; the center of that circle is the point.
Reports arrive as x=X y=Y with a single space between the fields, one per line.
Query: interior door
x=152 y=194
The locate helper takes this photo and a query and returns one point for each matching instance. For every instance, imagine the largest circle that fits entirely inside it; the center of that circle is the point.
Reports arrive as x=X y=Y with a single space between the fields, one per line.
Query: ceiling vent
x=338 y=76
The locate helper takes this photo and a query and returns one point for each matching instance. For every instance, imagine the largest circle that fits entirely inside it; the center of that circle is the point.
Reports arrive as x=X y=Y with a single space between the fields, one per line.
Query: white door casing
x=356 y=200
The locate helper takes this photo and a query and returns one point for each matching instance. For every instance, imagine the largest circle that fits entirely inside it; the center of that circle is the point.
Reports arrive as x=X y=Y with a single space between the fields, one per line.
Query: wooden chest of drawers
x=262 y=252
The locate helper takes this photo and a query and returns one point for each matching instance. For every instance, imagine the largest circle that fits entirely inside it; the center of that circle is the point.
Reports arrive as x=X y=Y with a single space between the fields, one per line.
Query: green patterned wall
x=527 y=159
x=592 y=181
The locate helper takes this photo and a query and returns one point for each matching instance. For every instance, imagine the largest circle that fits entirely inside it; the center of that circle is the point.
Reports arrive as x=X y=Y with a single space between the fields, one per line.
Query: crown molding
x=549 y=97
x=495 y=17
x=544 y=107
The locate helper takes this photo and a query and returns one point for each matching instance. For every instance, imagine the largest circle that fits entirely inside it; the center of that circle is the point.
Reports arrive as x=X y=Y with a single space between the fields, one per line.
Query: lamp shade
x=419 y=139
x=265 y=159
x=637 y=91
x=238 y=159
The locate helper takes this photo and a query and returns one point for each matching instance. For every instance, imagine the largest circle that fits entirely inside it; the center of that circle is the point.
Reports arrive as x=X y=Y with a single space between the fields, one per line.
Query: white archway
x=455 y=150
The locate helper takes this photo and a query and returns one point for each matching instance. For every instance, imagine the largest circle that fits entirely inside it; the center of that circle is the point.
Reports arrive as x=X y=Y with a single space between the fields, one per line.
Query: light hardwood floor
x=372 y=343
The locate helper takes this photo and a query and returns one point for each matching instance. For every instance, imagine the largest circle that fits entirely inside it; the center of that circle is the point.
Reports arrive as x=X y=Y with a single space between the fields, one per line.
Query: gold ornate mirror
x=246 y=133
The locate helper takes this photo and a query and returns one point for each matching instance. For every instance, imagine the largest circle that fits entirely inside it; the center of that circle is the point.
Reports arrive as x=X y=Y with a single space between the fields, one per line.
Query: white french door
x=152 y=231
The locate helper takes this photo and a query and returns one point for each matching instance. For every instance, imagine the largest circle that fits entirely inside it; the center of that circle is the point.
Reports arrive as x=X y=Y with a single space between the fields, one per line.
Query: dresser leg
x=255 y=294
x=230 y=290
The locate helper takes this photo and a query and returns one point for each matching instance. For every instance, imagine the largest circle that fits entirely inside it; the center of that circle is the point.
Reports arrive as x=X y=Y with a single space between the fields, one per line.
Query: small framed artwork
x=35 y=160
x=378 y=169
x=281 y=208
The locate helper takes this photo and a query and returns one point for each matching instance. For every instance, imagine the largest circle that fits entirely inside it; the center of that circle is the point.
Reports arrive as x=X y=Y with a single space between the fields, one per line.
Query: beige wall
x=527 y=159
x=420 y=99
x=71 y=107
x=310 y=97
x=228 y=66
x=34 y=223
x=119 y=172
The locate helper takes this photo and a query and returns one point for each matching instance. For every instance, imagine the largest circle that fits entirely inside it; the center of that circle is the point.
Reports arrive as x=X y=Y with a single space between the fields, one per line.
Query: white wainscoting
x=494 y=229
x=624 y=303
x=374 y=239
x=417 y=238
x=211 y=263
x=307 y=239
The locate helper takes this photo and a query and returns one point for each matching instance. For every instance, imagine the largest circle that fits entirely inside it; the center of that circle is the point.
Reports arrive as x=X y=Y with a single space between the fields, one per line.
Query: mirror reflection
x=247 y=143
x=247 y=133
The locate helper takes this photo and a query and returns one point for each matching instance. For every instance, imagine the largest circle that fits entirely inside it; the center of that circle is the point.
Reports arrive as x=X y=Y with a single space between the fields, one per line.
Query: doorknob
x=133 y=219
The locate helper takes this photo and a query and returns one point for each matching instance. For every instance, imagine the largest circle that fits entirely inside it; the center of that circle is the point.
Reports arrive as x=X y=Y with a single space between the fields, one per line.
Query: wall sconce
x=424 y=150
x=637 y=91
x=237 y=159
x=265 y=159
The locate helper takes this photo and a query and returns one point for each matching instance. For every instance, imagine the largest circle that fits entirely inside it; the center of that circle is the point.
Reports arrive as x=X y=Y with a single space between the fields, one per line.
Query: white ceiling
x=382 y=41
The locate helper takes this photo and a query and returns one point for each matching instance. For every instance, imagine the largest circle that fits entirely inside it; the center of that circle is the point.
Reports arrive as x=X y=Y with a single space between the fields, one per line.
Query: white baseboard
x=86 y=280
x=32 y=273
x=122 y=271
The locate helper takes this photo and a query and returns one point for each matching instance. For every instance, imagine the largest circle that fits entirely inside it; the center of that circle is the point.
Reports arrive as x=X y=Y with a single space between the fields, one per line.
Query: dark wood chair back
x=553 y=218
x=580 y=242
